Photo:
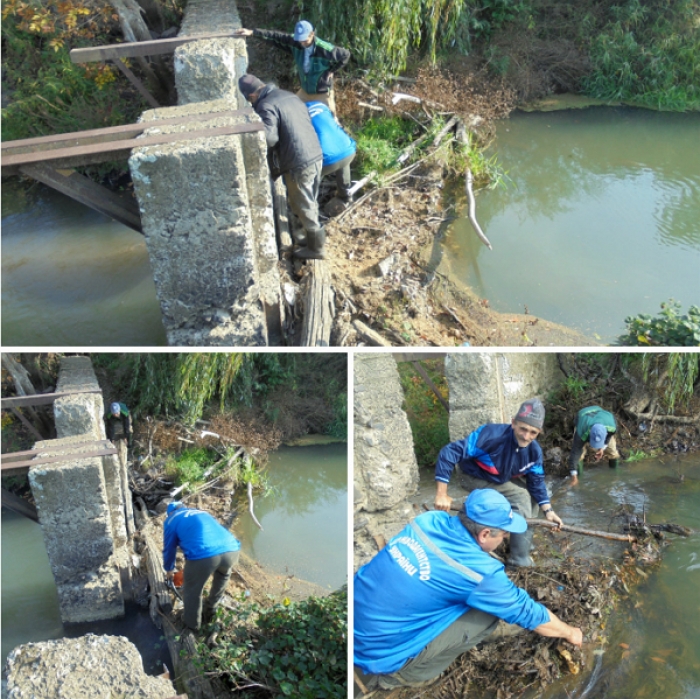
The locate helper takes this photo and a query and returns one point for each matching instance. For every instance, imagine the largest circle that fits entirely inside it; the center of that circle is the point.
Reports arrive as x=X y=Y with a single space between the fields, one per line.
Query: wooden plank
x=109 y=133
x=53 y=459
x=38 y=399
x=370 y=335
x=101 y=443
x=319 y=306
x=19 y=505
x=87 y=192
x=140 y=48
x=143 y=91
x=120 y=149
x=33 y=430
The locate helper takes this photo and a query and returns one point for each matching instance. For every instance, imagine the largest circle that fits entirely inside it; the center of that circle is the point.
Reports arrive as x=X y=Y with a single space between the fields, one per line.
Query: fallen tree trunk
x=319 y=305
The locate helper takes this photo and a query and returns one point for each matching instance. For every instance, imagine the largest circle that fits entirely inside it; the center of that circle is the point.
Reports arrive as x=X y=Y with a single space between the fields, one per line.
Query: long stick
x=472 y=210
x=250 y=505
x=580 y=530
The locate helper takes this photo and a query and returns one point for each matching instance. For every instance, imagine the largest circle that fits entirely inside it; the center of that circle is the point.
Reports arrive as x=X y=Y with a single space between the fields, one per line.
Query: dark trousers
x=196 y=574
x=341 y=169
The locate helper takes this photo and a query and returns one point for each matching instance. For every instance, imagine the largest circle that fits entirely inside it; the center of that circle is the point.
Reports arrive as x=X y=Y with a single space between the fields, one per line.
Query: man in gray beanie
x=508 y=459
x=294 y=152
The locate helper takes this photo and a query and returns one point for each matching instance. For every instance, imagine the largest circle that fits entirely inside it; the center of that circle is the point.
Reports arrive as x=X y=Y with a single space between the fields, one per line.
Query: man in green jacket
x=119 y=414
x=316 y=60
x=595 y=429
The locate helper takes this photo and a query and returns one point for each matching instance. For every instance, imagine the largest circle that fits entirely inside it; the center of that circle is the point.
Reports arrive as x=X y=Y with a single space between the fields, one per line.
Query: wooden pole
x=580 y=530
x=472 y=210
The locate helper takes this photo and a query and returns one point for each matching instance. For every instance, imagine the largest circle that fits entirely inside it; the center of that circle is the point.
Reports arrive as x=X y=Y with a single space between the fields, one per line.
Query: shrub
x=668 y=329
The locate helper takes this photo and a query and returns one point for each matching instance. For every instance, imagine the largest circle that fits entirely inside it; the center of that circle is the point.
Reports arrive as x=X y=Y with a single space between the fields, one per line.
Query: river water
x=305 y=523
x=71 y=276
x=599 y=222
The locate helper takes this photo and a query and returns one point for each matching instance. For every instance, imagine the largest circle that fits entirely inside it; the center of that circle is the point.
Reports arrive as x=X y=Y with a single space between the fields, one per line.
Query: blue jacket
x=422 y=581
x=335 y=143
x=492 y=453
x=197 y=533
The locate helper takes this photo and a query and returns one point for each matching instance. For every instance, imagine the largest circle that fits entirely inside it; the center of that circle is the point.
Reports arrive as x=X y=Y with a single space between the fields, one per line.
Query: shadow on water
x=305 y=517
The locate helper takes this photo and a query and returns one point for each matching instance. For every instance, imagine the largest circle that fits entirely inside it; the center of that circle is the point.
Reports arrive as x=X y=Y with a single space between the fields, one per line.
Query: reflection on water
x=305 y=519
x=71 y=276
x=600 y=222
x=661 y=621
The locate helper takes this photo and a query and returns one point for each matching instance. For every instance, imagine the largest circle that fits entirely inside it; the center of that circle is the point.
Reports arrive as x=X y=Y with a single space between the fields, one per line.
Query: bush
x=297 y=649
x=668 y=329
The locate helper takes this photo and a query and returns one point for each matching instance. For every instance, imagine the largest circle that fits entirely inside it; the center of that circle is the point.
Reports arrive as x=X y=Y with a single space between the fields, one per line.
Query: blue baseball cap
x=173 y=506
x=597 y=436
x=302 y=30
x=115 y=408
x=489 y=508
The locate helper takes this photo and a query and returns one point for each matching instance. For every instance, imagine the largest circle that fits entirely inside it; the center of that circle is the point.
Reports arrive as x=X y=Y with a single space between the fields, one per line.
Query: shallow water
x=305 y=519
x=599 y=223
x=71 y=276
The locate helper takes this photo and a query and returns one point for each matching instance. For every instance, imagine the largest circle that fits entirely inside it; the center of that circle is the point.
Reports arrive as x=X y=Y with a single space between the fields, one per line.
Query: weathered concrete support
x=74 y=513
x=487 y=387
x=82 y=668
x=79 y=414
x=386 y=471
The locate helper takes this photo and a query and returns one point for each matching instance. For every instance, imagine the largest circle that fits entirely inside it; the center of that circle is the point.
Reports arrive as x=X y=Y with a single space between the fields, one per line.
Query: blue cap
x=302 y=30
x=115 y=408
x=489 y=508
x=173 y=506
x=597 y=436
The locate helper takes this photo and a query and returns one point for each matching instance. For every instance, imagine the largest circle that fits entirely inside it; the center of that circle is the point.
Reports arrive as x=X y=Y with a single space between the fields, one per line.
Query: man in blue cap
x=508 y=459
x=433 y=592
x=595 y=429
x=119 y=415
x=209 y=548
x=316 y=60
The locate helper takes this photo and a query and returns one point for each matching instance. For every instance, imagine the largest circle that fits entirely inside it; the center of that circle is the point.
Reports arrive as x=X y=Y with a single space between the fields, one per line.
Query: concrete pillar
x=79 y=414
x=74 y=513
x=489 y=387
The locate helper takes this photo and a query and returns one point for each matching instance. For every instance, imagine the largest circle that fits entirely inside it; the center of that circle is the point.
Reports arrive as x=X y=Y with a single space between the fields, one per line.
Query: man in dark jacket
x=433 y=592
x=295 y=153
x=119 y=415
x=501 y=457
x=316 y=60
x=595 y=429
x=209 y=548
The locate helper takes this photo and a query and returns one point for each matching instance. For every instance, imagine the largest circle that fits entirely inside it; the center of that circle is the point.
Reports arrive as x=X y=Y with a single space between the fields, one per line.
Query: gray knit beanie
x=531 y=412
x=248 y=84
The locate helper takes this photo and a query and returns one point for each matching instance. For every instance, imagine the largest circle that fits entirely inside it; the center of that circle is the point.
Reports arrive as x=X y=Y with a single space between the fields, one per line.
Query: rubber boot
x=520 y=545
x=316 y=241
x=613 y=463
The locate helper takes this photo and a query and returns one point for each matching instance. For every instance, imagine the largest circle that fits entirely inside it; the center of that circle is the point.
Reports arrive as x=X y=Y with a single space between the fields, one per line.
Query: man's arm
x=556 y=628
x=576 y=453
x=449 y=455
x=270 y=119
x=169 y=548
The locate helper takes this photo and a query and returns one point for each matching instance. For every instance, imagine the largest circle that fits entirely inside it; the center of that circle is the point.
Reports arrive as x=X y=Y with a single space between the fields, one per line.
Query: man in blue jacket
x=433 y=592
x=337 y=147
x=209 y=548
x=508 y=459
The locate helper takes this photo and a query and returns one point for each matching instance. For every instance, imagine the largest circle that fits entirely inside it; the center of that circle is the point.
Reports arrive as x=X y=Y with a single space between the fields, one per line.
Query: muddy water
x=600 y=221
x=661 y=622
x=304 y=520
x=71 y=276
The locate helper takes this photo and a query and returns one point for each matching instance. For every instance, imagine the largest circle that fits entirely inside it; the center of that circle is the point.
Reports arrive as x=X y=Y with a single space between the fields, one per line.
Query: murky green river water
x=305 y=524
x=601 y=220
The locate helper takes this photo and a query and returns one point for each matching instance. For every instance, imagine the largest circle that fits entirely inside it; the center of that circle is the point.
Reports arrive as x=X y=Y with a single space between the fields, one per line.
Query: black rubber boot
x=520 y=545
x=315 y=244
x=613 y=463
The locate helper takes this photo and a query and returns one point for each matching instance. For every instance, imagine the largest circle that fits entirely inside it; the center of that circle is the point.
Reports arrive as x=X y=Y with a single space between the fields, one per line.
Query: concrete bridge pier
x=81 y=503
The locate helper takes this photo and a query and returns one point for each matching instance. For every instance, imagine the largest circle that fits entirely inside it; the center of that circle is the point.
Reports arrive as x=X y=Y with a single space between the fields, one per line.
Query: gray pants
x=341 y=169
x=196 y=574
x=303 y=185
x=514 y=491
x=464 y=633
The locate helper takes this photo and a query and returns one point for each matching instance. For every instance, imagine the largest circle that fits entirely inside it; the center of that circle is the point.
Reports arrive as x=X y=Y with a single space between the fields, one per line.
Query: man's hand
x=574 y=479
x=442 y=499
x=552 y=516
x=243 y=32
x=575 y=636
x=169 y=575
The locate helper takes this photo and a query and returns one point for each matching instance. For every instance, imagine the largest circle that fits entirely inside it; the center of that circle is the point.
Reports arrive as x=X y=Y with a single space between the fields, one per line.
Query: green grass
x=190 y=465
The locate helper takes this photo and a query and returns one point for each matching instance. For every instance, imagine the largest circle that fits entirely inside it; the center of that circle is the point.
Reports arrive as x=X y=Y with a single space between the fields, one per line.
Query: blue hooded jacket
x=422 y=581
x=335 y=143
x=197 y=533
x=492 y=453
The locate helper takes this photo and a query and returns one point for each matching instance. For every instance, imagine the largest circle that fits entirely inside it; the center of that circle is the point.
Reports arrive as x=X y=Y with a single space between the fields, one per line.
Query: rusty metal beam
x=75 y=139
x=19 y=505
x=40 y=461
x=140 y=48
x=38 y=399
x=87 y=192
x=122 y=149
x=99 y=443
